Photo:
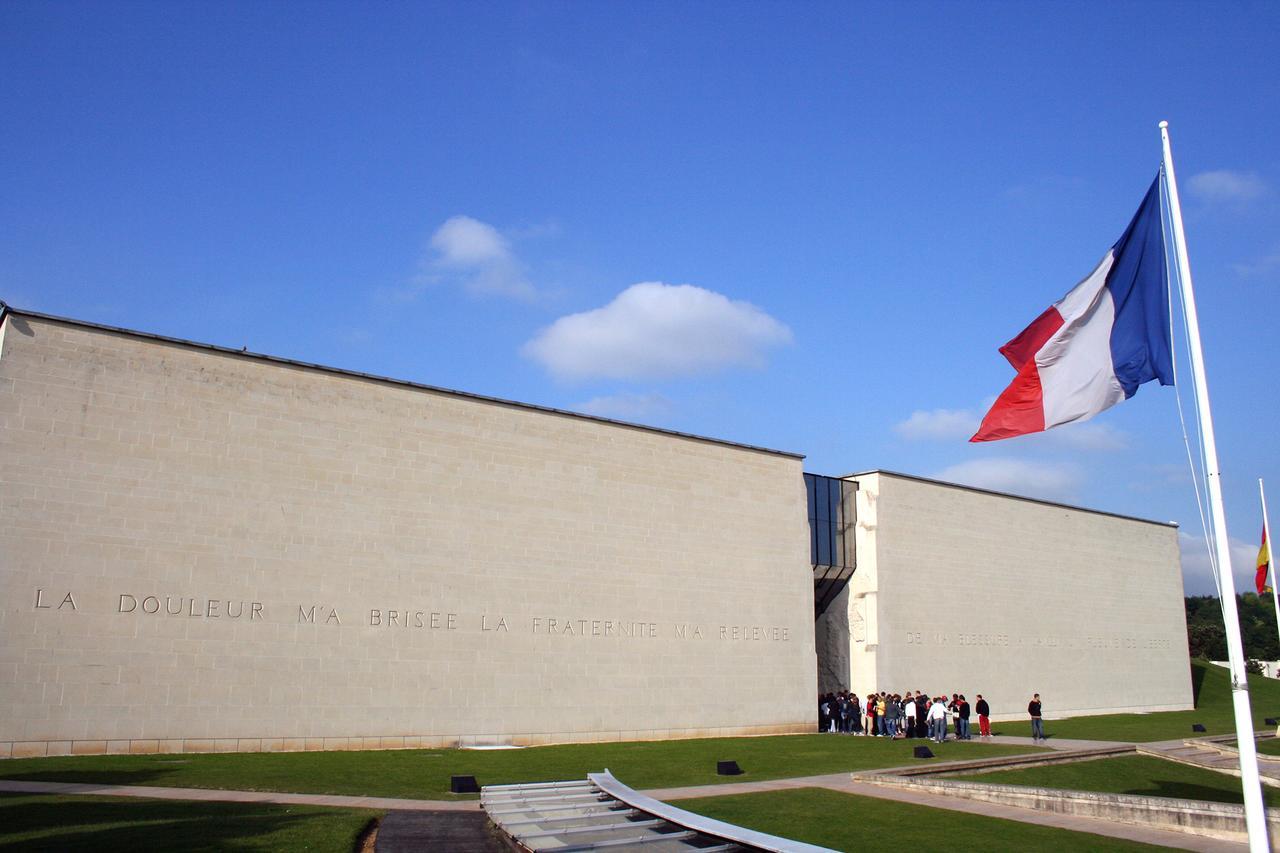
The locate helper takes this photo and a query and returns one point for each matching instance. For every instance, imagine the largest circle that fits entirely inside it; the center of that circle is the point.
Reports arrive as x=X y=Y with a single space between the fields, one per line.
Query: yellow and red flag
x=1264 y=563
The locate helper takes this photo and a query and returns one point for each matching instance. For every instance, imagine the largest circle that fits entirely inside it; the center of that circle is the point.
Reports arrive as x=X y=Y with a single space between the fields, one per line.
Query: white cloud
x=478 y=257
x=653 y=330
x=1087 y=436
x=1224 y=185
x=466 y=242
x=625 y=406
x=1045 y=480
x=1160 y=477
x=939 y=425
x=355 y=336
x=1265 y=265
x=1197 y=575
x=960 y=424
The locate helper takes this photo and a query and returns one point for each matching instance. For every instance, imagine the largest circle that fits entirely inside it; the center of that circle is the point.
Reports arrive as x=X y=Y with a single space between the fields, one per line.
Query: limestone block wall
x=203 y=550
x=984 y=593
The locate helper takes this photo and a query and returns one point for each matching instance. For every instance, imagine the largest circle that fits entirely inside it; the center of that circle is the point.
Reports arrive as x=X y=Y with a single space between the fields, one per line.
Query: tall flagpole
x=1271 y=567
x=1254 y=813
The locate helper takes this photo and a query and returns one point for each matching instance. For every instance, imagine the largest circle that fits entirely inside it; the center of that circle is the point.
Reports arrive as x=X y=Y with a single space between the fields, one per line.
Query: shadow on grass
x=135 y=824
x=81 y=824
x=1185 y=791
x=92 y=777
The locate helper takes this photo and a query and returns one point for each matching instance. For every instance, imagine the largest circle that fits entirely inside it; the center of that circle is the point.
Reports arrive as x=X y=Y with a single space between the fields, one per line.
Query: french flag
x=1095 y=346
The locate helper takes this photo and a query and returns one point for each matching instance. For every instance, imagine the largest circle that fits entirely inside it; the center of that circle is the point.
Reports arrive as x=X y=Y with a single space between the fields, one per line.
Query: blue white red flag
x=1095 y=346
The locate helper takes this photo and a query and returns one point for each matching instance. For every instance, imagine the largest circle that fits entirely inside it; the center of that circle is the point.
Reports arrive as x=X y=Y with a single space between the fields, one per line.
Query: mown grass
x=1211 y=686
x=849 y=822
x=1130 y=774
x=38 y=822
x=424 y=773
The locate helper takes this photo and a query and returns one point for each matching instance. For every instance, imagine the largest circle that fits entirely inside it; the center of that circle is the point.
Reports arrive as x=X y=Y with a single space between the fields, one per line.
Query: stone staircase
x=1213 y=755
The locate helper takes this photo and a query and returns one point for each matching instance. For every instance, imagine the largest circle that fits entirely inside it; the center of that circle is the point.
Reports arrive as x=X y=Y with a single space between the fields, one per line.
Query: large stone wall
x=963 y=591
x=202 y=550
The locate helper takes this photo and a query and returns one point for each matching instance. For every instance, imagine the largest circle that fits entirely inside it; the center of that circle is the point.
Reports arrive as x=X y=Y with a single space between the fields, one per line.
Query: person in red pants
x=984 y=717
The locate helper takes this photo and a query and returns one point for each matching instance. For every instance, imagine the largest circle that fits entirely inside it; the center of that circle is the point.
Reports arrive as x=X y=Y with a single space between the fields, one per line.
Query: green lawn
x=34 y=822
x=1269 y=747
x=425 y=773
x=853 y=823
x=1211 y=686
x=1130 y=774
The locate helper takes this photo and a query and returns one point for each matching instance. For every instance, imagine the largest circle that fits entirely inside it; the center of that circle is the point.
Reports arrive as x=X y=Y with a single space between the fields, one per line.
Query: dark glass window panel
x=825 y=497
x=830 y=548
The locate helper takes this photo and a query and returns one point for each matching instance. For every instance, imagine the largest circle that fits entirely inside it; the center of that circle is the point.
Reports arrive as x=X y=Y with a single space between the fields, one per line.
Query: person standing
x=1034 y=708
x=892 y=713
x=938 y=720
x=962 y=720
x=984 y=717
x=909 y=712
x=871 y=715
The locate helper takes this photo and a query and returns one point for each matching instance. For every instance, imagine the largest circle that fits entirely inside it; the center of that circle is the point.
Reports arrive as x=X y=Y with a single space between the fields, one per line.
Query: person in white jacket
x=938 y=720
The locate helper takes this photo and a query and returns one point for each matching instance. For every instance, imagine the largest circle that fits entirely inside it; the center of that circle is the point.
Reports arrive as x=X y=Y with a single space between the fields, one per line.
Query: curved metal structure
x=601 y=813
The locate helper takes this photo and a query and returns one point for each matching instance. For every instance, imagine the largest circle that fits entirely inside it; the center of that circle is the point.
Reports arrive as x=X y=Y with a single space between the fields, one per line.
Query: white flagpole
x=1254 y=812
x=1266 y=536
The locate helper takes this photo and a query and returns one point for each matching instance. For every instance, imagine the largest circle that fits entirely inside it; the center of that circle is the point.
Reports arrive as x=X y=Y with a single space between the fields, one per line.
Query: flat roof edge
x=995 y=493
x=6 y=310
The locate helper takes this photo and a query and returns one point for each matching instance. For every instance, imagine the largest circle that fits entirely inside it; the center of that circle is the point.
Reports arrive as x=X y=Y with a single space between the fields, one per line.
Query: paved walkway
x=833 y=781
x=456 y=832
x=1059 y=743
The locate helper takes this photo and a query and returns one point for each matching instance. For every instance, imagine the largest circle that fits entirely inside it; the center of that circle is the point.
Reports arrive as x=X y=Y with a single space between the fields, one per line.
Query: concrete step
x=1210 y=756
x=1190 y=750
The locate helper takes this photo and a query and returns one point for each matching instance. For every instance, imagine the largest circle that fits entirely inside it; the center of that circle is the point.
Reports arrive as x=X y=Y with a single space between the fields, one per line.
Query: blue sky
x=864 y=201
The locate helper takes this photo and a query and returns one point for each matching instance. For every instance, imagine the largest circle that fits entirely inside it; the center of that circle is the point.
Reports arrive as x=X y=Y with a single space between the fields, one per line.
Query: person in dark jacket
x=984 y=717
x=1037 y=724
x=962 y=719
x=892 y=713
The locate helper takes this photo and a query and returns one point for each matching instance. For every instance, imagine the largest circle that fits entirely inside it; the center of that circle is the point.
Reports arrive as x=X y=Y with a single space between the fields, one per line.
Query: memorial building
x=204 y=549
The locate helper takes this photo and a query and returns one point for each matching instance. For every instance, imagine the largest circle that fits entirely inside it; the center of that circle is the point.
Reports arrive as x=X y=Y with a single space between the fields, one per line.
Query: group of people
x=909 y=715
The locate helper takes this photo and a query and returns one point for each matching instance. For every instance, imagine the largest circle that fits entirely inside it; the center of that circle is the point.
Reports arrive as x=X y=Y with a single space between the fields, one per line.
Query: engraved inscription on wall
x=1094 y=642
x=155 y=605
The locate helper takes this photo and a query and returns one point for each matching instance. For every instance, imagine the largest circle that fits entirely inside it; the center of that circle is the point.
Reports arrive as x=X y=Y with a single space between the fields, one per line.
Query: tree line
x=1207 y=637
